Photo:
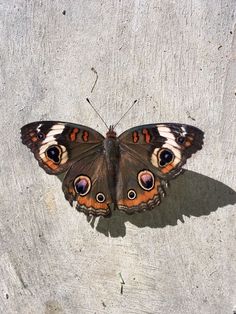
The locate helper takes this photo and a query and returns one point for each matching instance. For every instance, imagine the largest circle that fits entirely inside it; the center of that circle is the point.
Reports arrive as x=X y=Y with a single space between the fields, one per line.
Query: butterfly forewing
x=56 y=145
x=165 y=146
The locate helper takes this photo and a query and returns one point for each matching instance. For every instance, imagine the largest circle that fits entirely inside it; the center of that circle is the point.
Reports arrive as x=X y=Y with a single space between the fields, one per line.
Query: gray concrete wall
x=179 y=59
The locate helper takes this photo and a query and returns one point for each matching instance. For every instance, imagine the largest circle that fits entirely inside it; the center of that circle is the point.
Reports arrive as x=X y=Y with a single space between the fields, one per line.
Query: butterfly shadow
x=191 y=194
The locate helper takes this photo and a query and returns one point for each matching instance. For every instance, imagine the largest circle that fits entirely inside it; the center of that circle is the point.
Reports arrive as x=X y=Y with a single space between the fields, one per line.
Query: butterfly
x=128 y=172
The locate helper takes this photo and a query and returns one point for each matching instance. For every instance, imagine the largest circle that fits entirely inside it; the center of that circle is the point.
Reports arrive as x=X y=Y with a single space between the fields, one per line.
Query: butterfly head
x=111 y=133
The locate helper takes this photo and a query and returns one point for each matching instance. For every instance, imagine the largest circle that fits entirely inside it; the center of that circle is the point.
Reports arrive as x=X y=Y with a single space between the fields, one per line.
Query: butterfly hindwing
x=138 y=186
x=86 y=184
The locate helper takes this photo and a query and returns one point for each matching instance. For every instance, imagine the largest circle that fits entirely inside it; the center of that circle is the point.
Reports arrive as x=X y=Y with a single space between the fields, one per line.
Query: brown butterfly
x=129 y=171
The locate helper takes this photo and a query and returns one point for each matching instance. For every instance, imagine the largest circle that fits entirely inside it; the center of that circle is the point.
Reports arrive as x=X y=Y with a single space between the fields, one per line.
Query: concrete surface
x=178 y=58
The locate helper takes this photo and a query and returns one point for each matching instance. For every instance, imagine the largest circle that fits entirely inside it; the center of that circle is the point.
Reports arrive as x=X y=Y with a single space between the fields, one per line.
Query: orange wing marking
x=135 y=137
x=73 y=134
x=89 y=202
x=85 y=136
x=142 y=197
x=34 y=139
x=167 y=168
x=50 y=164
x=147 y=136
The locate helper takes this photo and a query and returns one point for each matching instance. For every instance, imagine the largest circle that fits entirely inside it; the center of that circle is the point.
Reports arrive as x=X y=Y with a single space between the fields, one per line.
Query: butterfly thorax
x=111 y=133
x=111 y=147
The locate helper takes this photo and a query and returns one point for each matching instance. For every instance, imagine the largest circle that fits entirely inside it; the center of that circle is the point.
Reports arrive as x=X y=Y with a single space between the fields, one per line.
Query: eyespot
x=132 y=194
x=100 y=197
x=40 y=135
x=146 y=180
x=82 y=185
x=165 y=157
x=181 y=139
x=54 y=153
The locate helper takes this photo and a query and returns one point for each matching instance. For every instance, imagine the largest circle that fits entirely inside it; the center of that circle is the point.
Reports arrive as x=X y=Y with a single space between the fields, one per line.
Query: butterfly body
x=128 y=172
x=112 y=153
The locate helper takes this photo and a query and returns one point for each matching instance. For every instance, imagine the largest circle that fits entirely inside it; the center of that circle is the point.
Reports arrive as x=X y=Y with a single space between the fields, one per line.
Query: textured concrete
x=178 y=58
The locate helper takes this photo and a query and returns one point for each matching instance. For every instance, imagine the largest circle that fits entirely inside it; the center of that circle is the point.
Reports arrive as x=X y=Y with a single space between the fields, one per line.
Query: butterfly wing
x=151 y=155
x=57 y=145
x=165 y=146
x=86 y=183
x=78 y=150
x=138 y=186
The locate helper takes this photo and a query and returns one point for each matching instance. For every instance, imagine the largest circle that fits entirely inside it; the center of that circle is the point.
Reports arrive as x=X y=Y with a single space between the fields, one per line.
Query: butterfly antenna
x=126 y=112
x=97 y=113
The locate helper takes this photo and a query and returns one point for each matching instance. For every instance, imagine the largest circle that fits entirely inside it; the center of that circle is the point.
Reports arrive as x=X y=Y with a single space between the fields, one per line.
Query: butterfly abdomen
x=112 y=153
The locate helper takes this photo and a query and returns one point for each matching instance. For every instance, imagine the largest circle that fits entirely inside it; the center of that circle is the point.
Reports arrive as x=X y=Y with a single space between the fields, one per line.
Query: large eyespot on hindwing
x=146 y=180
x=82 y=185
